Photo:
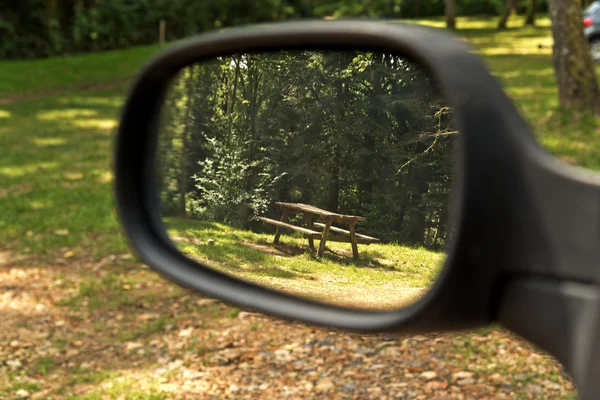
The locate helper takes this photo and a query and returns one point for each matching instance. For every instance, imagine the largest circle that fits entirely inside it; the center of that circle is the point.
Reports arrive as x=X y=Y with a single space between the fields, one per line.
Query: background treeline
x=359 y=133
x=40 y=28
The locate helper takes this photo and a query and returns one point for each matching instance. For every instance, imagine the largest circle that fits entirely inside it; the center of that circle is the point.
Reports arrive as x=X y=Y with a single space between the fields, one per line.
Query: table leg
x=352 y=229
x=324 y=235
x=309 y=225
x=284 y=216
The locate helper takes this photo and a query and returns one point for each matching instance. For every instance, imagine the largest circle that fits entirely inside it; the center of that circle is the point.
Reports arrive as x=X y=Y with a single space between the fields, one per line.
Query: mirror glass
x=326 y=174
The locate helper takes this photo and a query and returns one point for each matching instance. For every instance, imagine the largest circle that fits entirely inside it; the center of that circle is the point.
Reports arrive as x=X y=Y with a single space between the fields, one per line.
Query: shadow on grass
x=227 y=248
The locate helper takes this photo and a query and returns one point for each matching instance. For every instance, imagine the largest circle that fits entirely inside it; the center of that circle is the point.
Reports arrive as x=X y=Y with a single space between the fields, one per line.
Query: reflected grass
x=385 y=276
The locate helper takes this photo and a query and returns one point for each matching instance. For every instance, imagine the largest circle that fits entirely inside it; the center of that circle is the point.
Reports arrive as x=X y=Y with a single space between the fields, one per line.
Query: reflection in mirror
x=325 y=174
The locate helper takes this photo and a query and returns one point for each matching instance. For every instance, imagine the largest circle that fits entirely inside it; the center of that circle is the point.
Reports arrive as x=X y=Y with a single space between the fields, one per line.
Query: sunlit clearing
x=477 y=23
x=4 y=114
x=44 y=142
x=66 y=114
x=386 y=276
x=22 y=170
x=95 y=123
x=509 y=44
x=514 y=49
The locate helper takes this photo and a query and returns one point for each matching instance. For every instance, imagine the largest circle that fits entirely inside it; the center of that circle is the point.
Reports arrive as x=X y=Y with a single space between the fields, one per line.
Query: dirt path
x=113 y=329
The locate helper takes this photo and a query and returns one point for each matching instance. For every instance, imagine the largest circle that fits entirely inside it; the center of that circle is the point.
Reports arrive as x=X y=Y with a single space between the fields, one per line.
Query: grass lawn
x=18 y=78
x=385 y=276
x=82 y=319
x=56 y=178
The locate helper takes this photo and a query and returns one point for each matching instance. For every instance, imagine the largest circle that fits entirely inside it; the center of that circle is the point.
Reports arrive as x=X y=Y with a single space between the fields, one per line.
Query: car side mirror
x=358 y=175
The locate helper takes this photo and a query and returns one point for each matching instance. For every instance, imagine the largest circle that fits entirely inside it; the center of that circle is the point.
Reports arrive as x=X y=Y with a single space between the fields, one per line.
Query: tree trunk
x=487 y=7
x=66 y=15
x=333 y=199
x=508 y=10
x=51 y=7
x=403 y=202
x=416 y=227
x=530 y=17
x=333 y=195
x=185 y=145
x=442 y=226
x=369 y=170
x=235 y=84
x=450 y=14
x=574 y=70
x=418 y=186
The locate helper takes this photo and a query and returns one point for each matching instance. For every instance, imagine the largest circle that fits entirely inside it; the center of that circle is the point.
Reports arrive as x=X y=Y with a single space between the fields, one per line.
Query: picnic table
x=320 y=230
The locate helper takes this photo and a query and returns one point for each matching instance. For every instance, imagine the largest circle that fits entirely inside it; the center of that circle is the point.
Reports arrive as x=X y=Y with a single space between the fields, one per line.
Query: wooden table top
x=319 y=211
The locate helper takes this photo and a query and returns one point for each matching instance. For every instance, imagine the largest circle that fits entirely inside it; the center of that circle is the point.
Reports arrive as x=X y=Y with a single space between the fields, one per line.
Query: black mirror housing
x=518 y=214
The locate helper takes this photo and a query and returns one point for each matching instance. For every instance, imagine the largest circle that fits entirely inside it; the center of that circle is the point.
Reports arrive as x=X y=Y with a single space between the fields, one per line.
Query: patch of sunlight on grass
x=514 y=49
x=483 y=35
x=481 y=23
x=111 y=101
x=542 y=72
x=66 y=114
x=106 y=177
x=39 y=205
x=22 y=170
x=95 y=123
x=43 y=142
x=127 y=384
x=431 y=23
x=73 y=176
x=4 y=114
x=539 y=42
x=530 y=92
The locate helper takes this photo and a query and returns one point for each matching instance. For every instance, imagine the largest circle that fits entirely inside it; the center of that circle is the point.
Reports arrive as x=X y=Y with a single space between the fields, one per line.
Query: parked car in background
x=591 y=25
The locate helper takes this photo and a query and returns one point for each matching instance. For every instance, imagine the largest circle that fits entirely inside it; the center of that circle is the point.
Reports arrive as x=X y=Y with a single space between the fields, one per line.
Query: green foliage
x=41 y=28
x=223 y=185
x=363 y=133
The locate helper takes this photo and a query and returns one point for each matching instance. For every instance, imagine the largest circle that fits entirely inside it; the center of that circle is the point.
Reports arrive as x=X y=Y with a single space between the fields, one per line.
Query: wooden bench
x=345 y=237
x=311 y=232
x=280 y=224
